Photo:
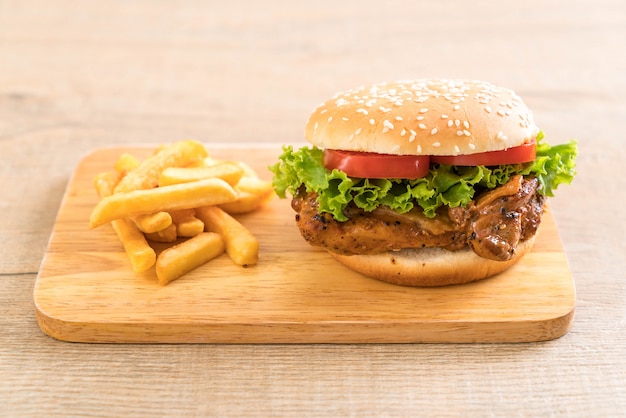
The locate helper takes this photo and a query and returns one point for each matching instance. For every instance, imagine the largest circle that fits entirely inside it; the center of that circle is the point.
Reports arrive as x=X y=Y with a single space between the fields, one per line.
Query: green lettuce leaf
x=554 y=165
x=445 y=185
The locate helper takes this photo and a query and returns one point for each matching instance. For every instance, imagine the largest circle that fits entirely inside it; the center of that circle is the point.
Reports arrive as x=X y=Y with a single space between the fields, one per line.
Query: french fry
x=190 y=228
x=146 y=174
x=187 y=225
x=241 y=245
x=180 y=192
x=139 y=252
x=126 y=162
x=167 y=235
x=206 y=162
x=252 y=194
x=255 y=185
x=187 y=256
x=245 y=203
x=153 y=222
x=182 y=214
x=105 y=182
x=227 y=171
x=179 y=196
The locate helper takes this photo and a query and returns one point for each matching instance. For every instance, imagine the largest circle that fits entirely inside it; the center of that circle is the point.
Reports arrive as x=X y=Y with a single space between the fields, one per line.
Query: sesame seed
x=372 y=122
x=457 y=123
x=456 y=149
x=323 y=111
x=424 y=110
x=436 y=144
x=412 y=137
x=351 y=137
x=358 y=131
x=399 y=118
x=444 y=116
x=330 y=119
x=501 y=112
x=457 y=107
x=316 y=126
x=466 y=124
x=434 y=131
x=344 y=118
x=487 y=109
x=459 y=133
x=467 y=133
x=420 y=118
x=450 y=123
x=419 y=148
x=472 y=146
x=422 y=126
x=364 y=111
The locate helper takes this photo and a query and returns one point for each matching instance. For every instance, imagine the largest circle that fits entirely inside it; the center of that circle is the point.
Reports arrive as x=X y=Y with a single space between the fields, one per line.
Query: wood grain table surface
x=76 y=76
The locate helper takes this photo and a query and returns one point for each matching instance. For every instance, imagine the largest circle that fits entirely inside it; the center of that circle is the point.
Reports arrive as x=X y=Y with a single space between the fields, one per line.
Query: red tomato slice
x=377 y=166
x=520 y=154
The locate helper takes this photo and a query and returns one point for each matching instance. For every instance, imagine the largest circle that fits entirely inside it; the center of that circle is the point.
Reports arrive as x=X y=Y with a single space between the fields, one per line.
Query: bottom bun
x=430 y=266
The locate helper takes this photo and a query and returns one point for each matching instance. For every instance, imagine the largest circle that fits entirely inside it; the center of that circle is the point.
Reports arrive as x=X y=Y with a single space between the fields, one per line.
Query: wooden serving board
x=87 y=292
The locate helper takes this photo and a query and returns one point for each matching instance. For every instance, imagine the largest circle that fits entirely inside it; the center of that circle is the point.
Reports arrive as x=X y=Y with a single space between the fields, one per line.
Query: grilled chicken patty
x=491 y=225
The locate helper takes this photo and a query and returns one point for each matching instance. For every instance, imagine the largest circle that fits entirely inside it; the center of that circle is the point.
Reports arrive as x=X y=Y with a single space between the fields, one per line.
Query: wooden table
x=79 y=76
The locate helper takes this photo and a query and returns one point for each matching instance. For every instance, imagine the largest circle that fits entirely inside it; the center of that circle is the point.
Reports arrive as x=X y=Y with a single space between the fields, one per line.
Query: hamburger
x=423 y=182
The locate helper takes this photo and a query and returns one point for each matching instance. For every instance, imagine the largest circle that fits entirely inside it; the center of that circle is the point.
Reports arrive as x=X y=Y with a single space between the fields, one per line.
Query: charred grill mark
x=320 y=218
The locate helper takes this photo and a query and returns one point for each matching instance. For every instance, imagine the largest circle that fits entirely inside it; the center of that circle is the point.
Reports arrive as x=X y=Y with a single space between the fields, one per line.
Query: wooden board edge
x=309 y=333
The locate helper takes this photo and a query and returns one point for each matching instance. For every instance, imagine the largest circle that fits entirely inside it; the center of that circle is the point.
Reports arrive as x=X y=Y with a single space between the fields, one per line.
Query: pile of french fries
x=181 y=196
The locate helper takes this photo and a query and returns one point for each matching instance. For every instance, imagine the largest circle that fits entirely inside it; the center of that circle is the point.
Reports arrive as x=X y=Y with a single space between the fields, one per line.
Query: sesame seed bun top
x=422 y=117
